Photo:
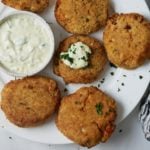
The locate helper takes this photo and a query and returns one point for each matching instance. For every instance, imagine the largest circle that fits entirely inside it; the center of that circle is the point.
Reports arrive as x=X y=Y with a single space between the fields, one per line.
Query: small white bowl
x=49 y=56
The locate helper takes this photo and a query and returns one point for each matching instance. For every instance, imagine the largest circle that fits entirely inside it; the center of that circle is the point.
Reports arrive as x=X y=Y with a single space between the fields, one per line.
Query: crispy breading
x=29 y=5
x=81 y=16
x=87 y=116
x=30 y=101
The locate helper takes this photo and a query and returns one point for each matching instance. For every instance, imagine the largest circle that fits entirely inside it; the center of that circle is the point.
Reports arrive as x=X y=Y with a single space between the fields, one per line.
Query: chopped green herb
x=84 y=58
x=74 y=51
x=70 y=59
x=82 y=46
x=124 y=76
x=66 y=56
x=99 y=108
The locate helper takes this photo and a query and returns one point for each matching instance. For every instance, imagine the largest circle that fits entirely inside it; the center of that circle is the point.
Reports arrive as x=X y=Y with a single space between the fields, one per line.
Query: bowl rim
x=50 y=34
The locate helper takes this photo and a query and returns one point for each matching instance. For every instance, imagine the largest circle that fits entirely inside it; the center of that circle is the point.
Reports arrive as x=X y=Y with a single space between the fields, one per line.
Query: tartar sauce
x=24 y=43
x=77 y=56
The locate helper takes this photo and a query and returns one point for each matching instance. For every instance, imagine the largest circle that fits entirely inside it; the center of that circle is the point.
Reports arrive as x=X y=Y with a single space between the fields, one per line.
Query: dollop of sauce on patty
x=77 y=55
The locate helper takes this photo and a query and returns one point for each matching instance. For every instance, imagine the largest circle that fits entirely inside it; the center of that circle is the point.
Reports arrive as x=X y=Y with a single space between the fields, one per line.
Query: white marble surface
x=131 y=138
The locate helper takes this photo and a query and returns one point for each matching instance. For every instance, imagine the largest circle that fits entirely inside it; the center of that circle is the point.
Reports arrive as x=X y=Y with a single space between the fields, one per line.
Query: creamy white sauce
x=77 y=56
x=24 y=43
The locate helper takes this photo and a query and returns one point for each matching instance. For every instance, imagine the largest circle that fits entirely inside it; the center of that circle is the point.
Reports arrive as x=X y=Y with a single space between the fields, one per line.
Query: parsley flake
x=66 y=56
x=99 y=108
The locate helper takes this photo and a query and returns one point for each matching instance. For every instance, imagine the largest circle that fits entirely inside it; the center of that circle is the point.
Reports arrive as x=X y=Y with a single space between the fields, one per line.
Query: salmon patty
x=87 y=116
x=127 y=40
x=81 y=16
x=96 y=62
x=29 y=5
x=30 y=101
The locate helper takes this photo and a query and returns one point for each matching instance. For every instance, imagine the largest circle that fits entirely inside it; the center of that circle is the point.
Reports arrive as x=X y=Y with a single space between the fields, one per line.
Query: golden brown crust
x=29 y=5
x=148 y=53
x=79 y=120
x=30 y=101
x=97 y=61
x=81 y=16
x=127 y=40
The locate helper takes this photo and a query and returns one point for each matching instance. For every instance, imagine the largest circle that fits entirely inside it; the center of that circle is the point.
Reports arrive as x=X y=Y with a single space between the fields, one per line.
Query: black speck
x=112 y=65
x=112 y=73
x=119 y=89
x=50 y=23
x=102 y=82
x=120 y=131
x=43 y=45
x=149 y=71
x=141 y=77
x=65 y=90
x=122 y=84
x=10 y=138
x=99 y=85
x=124 y=75
x=117 y=80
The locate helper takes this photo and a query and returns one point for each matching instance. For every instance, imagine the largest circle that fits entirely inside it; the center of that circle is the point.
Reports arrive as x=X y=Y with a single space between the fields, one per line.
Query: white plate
x=127 y=97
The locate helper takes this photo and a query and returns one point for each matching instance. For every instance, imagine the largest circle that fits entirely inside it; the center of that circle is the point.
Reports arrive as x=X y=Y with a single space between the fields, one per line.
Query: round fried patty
x=97 y=61
x=81 y=16
x=30 y=5
x=127 y=40
x=30 y=101
x=87 y=117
